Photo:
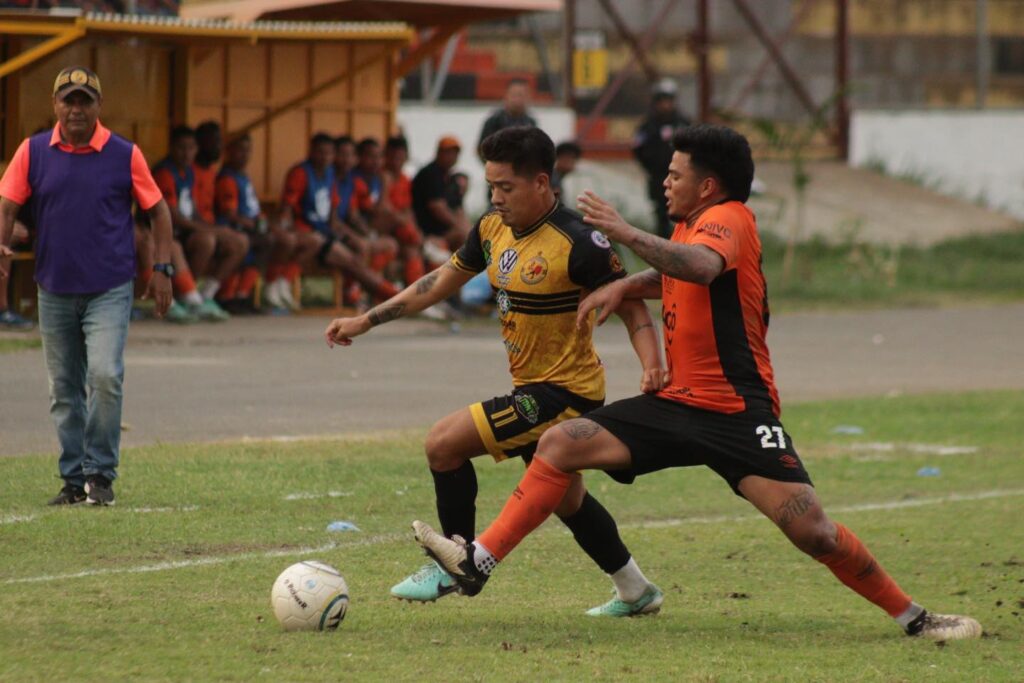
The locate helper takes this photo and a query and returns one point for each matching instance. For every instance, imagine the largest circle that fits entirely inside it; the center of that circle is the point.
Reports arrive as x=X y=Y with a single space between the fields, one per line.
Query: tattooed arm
x=428 y=290
x=644 y=337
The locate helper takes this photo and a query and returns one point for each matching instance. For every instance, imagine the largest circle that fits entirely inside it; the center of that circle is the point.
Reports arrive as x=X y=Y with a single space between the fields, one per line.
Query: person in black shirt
x=512 y=113
x=652 y=147
x=444 y=227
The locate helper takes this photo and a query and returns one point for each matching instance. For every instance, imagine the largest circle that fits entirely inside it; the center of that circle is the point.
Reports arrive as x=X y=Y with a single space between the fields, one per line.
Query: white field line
x=14 y=519
x=184 y=508
x=379 y=539
x=922 y=448
x=313 y=496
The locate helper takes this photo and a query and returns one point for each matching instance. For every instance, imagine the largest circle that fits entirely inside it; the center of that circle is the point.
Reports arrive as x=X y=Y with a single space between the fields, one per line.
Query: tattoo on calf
x=794 y=507
x=580 y=430
x=640 y=327
x=385 y=313
x=426 y=283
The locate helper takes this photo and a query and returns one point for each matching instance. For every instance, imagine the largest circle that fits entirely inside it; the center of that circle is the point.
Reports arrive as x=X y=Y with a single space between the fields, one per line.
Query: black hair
x=344 y=140
x=568 y=147
x=207 y=128
x=240 y=138
x=365 y=144
x=516 y=81
x=182 y=131
x=528 y=149
x=397 y=142
x=321 y=138
x=719 y=151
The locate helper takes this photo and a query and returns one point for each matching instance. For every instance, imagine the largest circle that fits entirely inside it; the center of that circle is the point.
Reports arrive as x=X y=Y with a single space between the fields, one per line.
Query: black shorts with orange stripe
x=511 y=425
x=660 y=433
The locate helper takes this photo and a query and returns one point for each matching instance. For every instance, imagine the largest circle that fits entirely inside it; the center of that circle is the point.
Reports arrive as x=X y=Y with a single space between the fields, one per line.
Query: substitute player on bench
x=541 y=260
x=720 y=407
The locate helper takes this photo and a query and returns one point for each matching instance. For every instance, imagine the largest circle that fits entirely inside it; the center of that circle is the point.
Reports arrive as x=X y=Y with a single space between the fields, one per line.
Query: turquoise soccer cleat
x=648 y=603
x=427 y=584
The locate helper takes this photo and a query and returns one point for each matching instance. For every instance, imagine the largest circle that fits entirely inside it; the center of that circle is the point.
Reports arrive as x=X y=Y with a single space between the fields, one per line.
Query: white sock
x=484 y=559
x=194 y=298
x=210 y=289
x=909 y=614
x=630 y=582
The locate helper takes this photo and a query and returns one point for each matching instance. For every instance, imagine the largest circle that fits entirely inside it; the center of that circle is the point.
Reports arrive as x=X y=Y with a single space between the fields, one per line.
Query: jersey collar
x=99 y=138
x=536 y=226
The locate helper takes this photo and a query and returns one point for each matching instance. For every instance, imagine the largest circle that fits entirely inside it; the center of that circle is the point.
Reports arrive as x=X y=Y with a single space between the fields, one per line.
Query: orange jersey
x=204 y=190
x=400 y=192
x=715 y=334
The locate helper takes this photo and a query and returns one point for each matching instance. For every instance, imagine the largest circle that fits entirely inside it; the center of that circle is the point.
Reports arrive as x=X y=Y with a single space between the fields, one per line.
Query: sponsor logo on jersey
x=534 y=270
x=789 y=461
x=507 y=261
x=716 y=230
x=527 y=406
x=512 y=348
x=600 y=240
x=503 y=302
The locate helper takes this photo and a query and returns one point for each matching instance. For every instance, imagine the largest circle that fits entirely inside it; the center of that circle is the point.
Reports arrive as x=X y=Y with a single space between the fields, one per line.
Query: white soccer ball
x=310 y=596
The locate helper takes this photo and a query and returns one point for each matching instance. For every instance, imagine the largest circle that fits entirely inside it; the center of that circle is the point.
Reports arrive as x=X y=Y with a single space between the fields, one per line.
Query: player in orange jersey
x=719 y=407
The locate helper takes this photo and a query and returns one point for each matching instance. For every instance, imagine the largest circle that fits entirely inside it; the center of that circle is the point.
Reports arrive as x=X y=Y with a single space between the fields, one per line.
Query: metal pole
x=842 y=78
x=542 y=54
x=442 y=69
x=570 y=47
x=703 y=65
x=650 y=70
x=984 y=55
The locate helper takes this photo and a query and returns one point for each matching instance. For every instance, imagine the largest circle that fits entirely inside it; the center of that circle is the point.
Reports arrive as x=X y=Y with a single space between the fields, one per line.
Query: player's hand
x=341 y=330
x=654 y=379
x=159 y=289
x=603 y=216
x=606 y=298
x=4 y=252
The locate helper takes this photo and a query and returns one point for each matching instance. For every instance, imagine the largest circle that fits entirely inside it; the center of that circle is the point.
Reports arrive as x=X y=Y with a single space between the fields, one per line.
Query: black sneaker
x=69 y=495
x=99 y=491
x=454 y=555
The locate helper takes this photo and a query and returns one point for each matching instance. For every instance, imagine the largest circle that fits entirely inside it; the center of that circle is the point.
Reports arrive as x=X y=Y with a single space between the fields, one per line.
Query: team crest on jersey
x=600 y=240
x=528 y=407
x=504 y=305
x=507 y=261
x=534 y=270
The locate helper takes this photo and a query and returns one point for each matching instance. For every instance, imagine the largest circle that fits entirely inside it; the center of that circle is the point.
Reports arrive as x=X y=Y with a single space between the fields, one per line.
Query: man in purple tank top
x=79 y=182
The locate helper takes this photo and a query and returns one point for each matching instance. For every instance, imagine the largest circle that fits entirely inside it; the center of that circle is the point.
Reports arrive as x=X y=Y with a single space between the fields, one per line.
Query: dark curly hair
x=528 y=149
x=719 y=151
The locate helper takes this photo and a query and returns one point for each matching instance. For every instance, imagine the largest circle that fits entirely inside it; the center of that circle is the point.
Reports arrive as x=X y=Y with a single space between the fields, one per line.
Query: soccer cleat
x=99 y=490
x=428 y=584
x=944 y=627
x=453 y=555
x=69 y=495
x=648 y=603
x=273 y=295
x=287 y=298
x=211 y=312
x=177 y=313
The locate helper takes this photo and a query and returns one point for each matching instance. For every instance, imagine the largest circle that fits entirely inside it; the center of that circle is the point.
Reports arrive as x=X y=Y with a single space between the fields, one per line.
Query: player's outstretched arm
x=644 y=285
x=692 y=263
x=427 y=291
x=644 y=337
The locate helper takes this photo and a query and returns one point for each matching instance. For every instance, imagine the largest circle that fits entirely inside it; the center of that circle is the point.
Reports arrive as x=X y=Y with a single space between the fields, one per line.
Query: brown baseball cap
x=448 y=142
x=74 y=78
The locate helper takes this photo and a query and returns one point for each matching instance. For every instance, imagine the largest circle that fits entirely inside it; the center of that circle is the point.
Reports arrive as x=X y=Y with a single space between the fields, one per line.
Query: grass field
x=173 y=583
x=8 y=345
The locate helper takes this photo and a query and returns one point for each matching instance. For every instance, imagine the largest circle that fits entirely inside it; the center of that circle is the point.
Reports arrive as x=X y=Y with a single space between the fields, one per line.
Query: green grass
x=9 y=345
x=740 y=604
x=988 y=268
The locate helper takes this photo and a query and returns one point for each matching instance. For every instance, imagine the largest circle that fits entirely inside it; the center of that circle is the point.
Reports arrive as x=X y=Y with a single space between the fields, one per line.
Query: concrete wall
x=423 y=125
x=973 y=155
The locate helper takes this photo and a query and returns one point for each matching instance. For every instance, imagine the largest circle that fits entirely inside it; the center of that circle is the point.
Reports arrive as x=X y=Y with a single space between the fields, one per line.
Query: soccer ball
x=309 y=596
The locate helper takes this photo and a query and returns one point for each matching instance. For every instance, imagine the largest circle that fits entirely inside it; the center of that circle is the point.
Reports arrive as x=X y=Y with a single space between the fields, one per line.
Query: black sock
x=456 y=500
x=595 y=531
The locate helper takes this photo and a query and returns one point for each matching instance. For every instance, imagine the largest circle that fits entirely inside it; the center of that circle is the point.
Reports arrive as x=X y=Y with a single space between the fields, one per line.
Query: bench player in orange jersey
x=719 y=408
x=540 y=260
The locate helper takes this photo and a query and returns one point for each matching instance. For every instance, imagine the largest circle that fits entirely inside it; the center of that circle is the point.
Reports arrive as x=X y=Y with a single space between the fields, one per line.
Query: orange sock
x=246 y=281
x=539 y=492
x=854 y=565
x=184 y=283
x=408 y=235
x=228 y=287
x=414 y=270
x=273 y=272
x=386 y=290
x=379 y=260
x=292 y=271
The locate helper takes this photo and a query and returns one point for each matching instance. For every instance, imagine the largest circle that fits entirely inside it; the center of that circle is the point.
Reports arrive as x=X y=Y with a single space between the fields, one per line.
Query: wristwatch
x=165 y=268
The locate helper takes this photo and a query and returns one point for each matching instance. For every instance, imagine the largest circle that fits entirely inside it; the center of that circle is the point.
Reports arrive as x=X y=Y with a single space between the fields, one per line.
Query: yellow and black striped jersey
x=538 y=277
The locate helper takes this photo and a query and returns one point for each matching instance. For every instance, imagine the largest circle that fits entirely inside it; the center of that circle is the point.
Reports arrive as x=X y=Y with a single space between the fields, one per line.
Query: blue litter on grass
x=853 y=430
x=929 y=472
x=342 y=526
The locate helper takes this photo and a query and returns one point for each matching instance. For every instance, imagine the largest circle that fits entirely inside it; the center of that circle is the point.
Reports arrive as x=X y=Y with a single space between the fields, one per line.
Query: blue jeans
x=83 y=343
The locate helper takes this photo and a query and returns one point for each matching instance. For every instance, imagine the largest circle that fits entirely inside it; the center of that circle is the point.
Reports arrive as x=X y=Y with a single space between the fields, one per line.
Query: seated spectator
x=310 y=204
x=363 y=231
x=213 y=251
x=236 y=205
x=444 y=229
x=209 y=143
x=396 y=209
x=9 y=320
x=567 y=155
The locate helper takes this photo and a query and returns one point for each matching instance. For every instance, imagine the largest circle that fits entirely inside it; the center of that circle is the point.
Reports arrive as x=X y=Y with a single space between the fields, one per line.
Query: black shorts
x=661 y=433
x=511 y=425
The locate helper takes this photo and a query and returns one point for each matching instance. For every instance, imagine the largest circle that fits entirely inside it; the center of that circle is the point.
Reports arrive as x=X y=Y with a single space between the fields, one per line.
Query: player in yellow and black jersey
x=541 y=259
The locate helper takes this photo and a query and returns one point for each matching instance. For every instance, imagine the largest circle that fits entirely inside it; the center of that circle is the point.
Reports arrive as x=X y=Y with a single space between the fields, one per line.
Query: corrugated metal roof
x=263 y=26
